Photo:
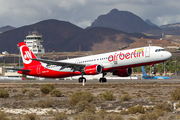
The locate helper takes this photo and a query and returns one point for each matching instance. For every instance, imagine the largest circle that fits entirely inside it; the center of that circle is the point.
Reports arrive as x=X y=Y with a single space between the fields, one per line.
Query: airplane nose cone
x=168 y=55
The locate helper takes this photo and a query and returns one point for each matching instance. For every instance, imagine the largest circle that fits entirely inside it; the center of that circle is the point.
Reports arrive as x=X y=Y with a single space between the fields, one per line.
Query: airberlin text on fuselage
x=128 y=55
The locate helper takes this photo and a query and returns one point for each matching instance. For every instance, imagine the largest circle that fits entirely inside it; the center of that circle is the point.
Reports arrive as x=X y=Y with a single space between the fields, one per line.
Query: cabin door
x=147 y=52
x=39 y=69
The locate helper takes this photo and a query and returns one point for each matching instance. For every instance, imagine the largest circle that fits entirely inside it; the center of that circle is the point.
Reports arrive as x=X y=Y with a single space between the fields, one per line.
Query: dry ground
x=146 y=94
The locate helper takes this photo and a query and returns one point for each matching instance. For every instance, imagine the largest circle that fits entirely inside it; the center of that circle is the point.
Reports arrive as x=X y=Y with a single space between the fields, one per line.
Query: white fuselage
x=119 y=59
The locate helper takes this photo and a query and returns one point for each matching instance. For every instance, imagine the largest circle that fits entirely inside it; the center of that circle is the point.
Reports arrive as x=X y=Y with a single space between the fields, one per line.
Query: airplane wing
x=73 y=66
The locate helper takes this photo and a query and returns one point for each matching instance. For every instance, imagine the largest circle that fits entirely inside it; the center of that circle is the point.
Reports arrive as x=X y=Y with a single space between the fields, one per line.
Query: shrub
x=31 y=117
x=137 y=109
x=164 y=106
x=125 y=97
x=31 y=94
x=124 y=112
x=14 y=90
x=56 y=93
x=152 y=99
x=50 y=112
x=3 y=116
x=177 y=105
x=24 y=90
x=85 y=116
x=175 y=95
x=47 y=88
x=84 y=105
x=60 y=116
x=107 y=96
x=4 y=94
x=101 y=114
x=113 y=116
x=45 y=103
x=148 y=116
x=80 y=96
x=142 y=117
x=158 y=112
x=132 y=118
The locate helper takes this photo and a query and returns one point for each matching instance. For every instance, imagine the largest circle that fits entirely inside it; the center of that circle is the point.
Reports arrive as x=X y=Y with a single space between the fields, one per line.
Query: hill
x=171 y=26
x=6 y=28
x=155 y=42
x=54 y=33
x=100 y=39
x=169 y=29
x=65 y=37
x=122 y=20
x=150 y=23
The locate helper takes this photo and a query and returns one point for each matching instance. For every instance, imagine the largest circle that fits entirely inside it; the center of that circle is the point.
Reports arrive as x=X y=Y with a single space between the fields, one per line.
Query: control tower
x=33 y=41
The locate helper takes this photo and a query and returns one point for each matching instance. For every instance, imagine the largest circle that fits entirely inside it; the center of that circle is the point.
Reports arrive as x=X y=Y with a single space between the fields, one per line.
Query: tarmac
x=94 y=81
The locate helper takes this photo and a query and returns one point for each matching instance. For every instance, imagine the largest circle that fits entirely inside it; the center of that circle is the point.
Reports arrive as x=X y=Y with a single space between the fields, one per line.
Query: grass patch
x=23 y=90
x=164 y=106
x=47 y=88
x=60 y=116
x=3 y=116
x=108 y=96
x=85 y=106
x=80 y=96
x=56 y=93
x=137 y=109
x=31 y=117
x=4 y=94
x=175 y=95
x=125 y=97
x=31 y=94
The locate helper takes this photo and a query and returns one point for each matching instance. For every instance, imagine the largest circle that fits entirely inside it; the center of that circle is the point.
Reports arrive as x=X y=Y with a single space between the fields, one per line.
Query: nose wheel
x=103 y=79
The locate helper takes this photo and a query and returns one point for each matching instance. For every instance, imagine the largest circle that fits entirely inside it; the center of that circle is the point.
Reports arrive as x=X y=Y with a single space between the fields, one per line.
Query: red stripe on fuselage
x=130 y=66
x=48 y=73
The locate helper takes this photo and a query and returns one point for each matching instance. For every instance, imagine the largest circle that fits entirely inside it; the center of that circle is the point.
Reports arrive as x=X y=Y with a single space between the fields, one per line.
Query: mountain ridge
x=64 y=36
x=123 y=21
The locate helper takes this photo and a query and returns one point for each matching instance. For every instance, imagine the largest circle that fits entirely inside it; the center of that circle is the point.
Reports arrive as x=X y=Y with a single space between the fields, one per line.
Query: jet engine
x=123 y=72
x=93 y=69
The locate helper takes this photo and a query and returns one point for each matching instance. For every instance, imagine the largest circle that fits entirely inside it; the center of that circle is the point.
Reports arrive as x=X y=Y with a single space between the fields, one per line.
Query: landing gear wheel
x=102 y=80
x=81 y=79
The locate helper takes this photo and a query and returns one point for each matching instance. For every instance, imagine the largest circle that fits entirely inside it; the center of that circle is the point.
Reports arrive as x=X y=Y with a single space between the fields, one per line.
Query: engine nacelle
x=123 y=72
x=93 y=69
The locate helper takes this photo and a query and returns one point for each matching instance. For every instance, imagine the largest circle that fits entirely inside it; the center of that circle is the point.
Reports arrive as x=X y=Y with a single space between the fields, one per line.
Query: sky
x=82 y=13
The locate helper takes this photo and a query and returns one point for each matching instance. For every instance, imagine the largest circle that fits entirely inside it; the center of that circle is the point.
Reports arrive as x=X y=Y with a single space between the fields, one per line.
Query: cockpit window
x=158 y=50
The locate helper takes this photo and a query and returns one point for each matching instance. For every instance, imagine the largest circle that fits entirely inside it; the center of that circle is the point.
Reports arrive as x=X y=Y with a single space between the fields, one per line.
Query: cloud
x=83 y=12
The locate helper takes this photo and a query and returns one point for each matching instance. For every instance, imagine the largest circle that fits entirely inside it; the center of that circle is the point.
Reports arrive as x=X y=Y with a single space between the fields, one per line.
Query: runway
x=95 y=81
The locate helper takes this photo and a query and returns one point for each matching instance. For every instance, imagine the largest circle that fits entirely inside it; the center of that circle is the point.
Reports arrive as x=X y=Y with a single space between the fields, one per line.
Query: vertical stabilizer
x=143 y=71
x=27 y=55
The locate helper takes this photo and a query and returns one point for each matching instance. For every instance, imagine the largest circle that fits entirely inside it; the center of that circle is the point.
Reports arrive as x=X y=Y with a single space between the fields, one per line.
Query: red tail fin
x=27 y=55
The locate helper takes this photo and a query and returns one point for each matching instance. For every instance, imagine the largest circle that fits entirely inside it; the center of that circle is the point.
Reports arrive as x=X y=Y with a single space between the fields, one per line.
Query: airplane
x=119 y=63
x=145 y=76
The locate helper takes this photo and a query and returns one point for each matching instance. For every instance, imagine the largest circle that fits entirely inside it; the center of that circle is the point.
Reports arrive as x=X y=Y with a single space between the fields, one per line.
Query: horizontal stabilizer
x=24 y=70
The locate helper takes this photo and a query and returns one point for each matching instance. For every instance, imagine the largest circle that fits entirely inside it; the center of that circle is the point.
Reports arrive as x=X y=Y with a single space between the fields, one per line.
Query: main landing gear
x=153 y=71
x=82 y=78
x=103 y=79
